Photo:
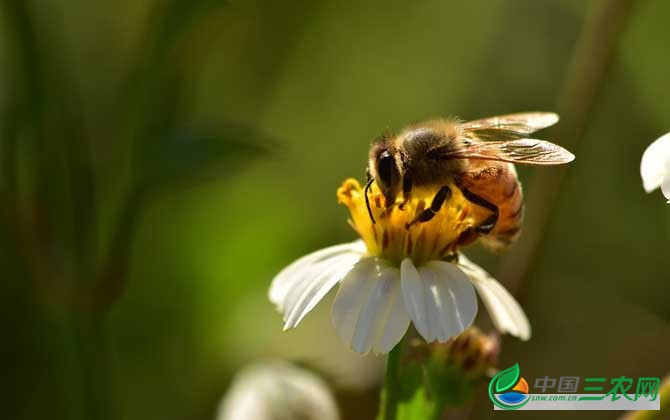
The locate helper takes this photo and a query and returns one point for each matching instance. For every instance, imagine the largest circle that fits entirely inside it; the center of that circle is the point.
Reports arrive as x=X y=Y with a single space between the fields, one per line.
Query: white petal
x=665 y=185
x=294 y=273
x=368 y=312
x=653 y=167
x=351 y=296
x=439 y=298
x=504 y=310
x=413 y=295
x=305 y=295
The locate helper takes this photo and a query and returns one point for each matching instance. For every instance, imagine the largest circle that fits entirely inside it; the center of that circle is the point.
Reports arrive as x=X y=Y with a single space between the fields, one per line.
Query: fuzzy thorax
x=394 y=237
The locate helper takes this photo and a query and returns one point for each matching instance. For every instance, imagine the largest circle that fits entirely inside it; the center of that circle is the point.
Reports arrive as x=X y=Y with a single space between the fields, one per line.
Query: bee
x=477 y=157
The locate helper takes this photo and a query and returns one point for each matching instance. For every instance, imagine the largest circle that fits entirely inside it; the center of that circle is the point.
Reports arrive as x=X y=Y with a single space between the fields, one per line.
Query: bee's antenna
x=367 y=200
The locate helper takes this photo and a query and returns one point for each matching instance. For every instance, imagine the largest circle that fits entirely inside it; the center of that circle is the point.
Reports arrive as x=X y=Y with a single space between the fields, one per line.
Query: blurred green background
x=162 y=160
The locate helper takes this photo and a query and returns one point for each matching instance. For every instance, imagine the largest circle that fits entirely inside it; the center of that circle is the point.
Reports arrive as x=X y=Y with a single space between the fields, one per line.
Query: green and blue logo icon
x=508 y=390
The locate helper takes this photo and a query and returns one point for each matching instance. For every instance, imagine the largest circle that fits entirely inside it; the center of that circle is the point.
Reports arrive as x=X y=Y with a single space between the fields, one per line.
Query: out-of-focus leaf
x=425 y=389
x=190 y=156
x=433 y=377
x=412 y=379
x=418 y=407
x=177 y=17
x=412 y=400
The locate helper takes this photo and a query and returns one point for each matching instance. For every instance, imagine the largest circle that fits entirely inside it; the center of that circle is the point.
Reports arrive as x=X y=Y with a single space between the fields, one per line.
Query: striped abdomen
x=497 y=183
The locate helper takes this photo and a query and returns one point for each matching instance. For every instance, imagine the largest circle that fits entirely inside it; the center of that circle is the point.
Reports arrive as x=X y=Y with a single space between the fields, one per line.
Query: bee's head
x=385 y=169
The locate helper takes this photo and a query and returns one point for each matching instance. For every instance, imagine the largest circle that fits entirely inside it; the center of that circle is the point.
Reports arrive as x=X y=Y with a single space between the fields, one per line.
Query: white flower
x=655 y=166
x=376 y=300
x=398 y=272
x=277 y=391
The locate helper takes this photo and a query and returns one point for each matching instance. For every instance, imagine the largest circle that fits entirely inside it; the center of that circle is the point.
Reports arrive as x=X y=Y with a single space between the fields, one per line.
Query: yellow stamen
x=392 y=237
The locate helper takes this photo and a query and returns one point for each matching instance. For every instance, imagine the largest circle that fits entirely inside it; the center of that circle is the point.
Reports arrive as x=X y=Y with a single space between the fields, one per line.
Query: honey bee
x=477 y=157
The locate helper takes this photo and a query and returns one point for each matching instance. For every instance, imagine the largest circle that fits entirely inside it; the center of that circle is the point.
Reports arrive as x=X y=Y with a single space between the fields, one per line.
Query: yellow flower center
x=394 y=236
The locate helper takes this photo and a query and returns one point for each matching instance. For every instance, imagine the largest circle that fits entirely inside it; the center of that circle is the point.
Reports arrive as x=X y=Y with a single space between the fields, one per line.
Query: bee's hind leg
x=442 y=195
x=490 y=222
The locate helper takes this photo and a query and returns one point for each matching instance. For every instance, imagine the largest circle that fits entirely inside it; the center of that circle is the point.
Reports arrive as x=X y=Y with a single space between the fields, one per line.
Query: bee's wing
x=515 y=125
x=504 y=138
x=523 y=151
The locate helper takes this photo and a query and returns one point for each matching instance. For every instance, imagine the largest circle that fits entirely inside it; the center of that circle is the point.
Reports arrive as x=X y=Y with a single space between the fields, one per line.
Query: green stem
x=391 y=391
x=591 y=62
x=662 y=413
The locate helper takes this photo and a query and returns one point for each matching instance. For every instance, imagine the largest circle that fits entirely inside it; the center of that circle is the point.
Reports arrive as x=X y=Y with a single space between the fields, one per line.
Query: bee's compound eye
x=386 y=168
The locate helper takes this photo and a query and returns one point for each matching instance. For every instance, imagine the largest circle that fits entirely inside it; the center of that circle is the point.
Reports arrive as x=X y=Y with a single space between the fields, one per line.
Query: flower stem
x=593 y=58
x=391 y=391
x=662 y=413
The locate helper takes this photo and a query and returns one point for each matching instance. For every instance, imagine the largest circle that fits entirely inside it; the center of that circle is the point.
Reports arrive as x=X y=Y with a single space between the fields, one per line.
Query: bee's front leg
x=442 y=195
x=406 y=189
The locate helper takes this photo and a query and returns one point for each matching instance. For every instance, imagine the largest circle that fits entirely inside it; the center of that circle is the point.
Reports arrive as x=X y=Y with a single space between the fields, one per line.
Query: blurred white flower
x=655 y=166
x=396 y=274
x=277 y=390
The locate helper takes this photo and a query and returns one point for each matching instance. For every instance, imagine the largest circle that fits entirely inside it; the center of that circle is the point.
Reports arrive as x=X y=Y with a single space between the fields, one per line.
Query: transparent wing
x=514 y=125
x=523 y=151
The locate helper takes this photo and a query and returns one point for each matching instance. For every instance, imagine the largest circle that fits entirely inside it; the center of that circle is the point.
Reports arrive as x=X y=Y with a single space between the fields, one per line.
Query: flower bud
x=453 y=370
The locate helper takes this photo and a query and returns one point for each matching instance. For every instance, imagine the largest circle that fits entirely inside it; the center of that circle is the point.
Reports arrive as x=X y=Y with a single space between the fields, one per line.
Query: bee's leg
x=406 y=189
x=442 y=195
x=367 y=199
x=490 y=222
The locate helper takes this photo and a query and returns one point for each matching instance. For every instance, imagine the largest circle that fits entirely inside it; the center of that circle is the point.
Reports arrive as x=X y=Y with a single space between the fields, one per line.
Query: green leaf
x=197 y=155
x=507 y=379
